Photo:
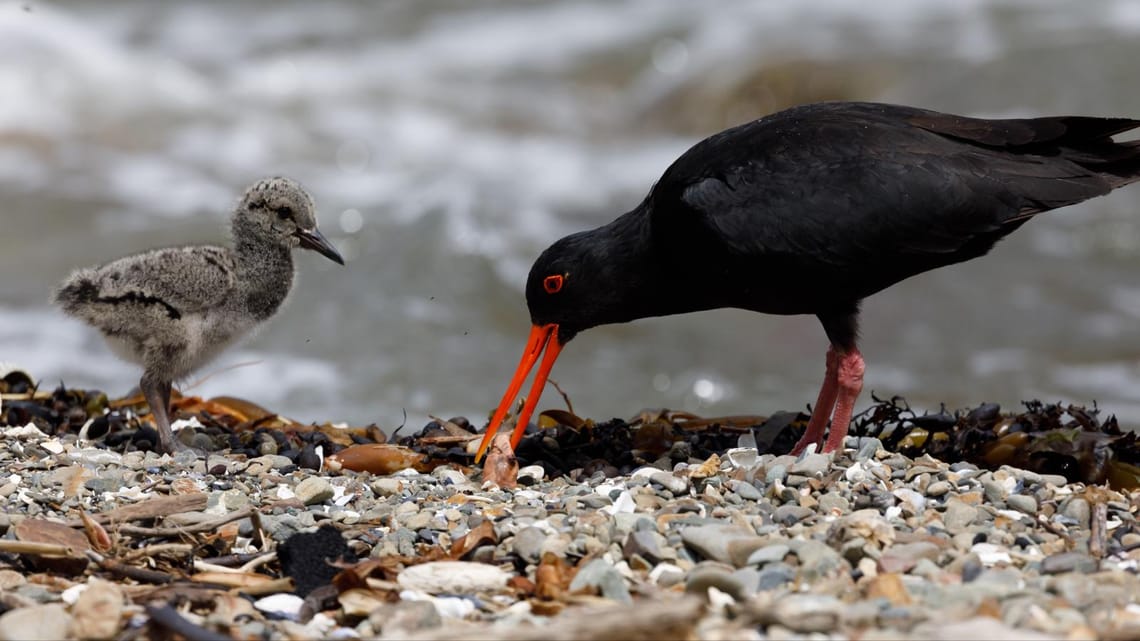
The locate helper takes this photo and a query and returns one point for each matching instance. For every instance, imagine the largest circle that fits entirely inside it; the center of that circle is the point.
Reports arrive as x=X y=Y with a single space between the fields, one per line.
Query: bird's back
x=156 y=308
x=839 y=200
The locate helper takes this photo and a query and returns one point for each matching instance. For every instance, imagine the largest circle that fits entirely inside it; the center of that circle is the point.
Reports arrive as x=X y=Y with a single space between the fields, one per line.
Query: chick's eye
x=552 y=284
x=283 y=213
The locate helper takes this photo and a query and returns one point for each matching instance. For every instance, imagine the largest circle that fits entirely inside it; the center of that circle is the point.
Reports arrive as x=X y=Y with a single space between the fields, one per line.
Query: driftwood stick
x=167 y=617
x=37 y=549
x=150 y=509
x=204 y=526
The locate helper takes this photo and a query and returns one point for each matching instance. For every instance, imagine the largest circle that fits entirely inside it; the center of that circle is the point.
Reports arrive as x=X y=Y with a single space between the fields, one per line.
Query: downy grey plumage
x=172 y=310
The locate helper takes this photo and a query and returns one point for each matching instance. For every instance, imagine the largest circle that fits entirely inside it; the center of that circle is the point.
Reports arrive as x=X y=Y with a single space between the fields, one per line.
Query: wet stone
x=605 y=578
x=1023 y=503
x=702 y=578
x=958 y=515
x=528 y=544
x=768 y=554
x=314 y=489
x=811 y=465
x=1065 y=562
x=809 y=612
x=1077 y=508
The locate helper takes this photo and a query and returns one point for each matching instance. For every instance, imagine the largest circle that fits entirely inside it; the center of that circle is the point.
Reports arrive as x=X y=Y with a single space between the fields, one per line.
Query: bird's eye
x=283 y=213
x=552 y=284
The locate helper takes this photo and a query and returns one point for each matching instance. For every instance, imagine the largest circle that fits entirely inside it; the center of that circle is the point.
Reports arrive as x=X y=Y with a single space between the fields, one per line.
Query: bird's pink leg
x=823 y=404
x=850 y=381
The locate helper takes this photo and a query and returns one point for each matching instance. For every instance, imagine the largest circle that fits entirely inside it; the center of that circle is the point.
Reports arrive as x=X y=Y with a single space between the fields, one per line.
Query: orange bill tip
x=538 y=342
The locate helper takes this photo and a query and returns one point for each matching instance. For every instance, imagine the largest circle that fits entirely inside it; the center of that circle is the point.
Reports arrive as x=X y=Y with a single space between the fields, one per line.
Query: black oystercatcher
x=809 y=211
x=172 y=310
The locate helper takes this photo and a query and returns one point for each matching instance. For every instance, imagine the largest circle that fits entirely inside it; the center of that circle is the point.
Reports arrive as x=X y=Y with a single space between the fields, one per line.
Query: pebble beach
x=866 y=544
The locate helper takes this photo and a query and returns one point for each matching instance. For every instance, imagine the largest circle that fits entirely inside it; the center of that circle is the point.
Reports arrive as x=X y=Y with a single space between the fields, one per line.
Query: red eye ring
x=552 y=284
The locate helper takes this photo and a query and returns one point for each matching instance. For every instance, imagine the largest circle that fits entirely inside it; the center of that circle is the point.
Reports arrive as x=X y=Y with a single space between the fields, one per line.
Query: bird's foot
x=175 y=447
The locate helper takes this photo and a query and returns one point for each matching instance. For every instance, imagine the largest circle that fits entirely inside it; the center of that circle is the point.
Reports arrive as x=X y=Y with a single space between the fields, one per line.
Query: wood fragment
x=168 y=618
x=204 y=526
x=274 y=586
x=160 y=549
x=1098 y=523
x=150 y=509
x=35 y=548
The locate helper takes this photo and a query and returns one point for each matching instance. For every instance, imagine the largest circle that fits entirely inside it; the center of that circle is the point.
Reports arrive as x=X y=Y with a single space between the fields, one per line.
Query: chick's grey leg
x=157 y=394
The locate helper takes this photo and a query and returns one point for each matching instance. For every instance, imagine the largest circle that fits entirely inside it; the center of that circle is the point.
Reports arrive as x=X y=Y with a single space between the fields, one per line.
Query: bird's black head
x=574 y=284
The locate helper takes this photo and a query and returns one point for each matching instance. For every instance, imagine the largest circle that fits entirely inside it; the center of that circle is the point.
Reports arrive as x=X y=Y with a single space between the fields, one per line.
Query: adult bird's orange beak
x=542 y=337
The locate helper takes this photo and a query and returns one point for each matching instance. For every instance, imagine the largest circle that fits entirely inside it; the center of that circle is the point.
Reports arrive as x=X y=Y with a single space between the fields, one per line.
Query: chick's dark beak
x=313 y=239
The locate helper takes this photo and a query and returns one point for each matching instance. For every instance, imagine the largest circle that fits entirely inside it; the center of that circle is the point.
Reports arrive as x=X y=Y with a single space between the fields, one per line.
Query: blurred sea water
x=447 y=144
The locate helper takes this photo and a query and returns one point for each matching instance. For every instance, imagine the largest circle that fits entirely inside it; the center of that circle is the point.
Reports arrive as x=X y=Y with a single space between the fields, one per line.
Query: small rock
x=600 y=575
x=834 y=502
x=702 y=578
x=958 y=515
x=98 y=611
x=527 y=544
x=675 y=484
x=775 y=473
x=386 y=486
x=452 y=577
x=283 y=605
x=868 y=446
x=1023 y=503
x=724 y=543
x=402 y=618
x=938 y=488
x=1065 y=562
x=768 y=554
x=775 y=575
x=647 y=544
x=35 y=623
x=313 y=490
x=666 y=575
x=994 y=492
x=901 y=558
x=789 y=514
x=746 y=490
x=980 y=627
x=809 y=612
x=811 y=465
x=817 y=559
x=1077 y=508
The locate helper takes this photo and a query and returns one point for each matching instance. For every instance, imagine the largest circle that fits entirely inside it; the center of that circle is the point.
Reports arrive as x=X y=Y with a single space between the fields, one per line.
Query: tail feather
x=77 y=292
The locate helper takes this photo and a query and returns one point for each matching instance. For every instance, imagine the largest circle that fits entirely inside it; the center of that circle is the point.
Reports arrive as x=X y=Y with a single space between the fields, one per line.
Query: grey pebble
x=647 y=544
x=938 y=488
x=528 y=542
x=746 y=490
x=789 y=514
x=1023 y=503
x=605 y=578
x=313 y=489
x=958 y=515
x=775 y=473
x=1064 y=562
x=768 y=554
x=704 y=577
x=809 y=612
x=723 y=542
x=675 y=484
x=834 y=502
x=811 y=465
x=1077 y=508
x=775 y=575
